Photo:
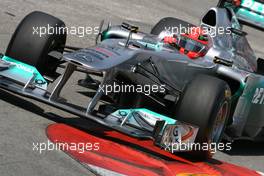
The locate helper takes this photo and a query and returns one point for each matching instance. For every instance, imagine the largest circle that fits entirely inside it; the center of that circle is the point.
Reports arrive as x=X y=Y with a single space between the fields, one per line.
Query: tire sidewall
x=208 y=119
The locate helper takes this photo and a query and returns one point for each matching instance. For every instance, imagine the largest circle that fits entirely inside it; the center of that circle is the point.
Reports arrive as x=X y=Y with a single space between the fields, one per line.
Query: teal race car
x=249 y=12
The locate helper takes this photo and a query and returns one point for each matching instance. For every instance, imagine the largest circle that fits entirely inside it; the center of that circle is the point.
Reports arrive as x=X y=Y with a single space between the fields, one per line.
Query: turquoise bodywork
x=23 y=73
x=148 y=114
x=250 y=11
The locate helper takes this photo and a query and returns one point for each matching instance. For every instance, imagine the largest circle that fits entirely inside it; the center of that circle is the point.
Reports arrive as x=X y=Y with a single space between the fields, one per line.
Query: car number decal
x=258 y=97
x=255 y=6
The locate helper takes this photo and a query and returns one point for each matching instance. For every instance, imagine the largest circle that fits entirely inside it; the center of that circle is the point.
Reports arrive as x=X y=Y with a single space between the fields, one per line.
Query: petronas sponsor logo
x=23 y=67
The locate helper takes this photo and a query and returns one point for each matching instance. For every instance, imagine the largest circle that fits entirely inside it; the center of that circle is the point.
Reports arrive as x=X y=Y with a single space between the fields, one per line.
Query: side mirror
x=261 y=66
x=238 y=32
x=129 y=27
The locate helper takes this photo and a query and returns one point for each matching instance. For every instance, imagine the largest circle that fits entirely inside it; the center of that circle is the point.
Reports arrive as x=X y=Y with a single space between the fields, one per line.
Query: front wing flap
x=21 y=73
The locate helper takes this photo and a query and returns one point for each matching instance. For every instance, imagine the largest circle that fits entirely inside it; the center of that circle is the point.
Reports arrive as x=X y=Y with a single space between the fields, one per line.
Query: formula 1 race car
x=176 y=88
x=249 y=12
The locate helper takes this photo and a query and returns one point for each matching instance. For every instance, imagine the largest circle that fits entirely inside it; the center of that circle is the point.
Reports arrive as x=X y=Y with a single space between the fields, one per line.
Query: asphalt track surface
x=23 y=121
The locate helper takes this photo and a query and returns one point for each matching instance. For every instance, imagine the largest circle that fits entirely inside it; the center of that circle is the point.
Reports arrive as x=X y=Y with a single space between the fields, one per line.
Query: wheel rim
x=219 y=122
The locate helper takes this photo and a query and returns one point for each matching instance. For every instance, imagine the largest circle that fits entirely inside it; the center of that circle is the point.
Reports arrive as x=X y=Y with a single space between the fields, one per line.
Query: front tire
x=206 y=104
x=29 y=47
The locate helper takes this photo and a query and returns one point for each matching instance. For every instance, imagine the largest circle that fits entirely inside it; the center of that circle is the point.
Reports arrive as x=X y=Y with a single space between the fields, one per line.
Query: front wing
x=25 y=80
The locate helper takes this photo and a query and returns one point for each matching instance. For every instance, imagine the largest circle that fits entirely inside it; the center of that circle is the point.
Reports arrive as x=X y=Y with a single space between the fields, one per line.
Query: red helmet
x=193 y=44
x=237 y=2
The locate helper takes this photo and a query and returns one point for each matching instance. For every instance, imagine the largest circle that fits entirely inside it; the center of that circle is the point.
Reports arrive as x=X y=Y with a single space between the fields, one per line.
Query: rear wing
x=248 y=12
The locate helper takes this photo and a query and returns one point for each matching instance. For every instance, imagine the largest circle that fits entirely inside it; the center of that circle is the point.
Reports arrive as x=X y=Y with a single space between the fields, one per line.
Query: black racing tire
x=26 y=45
x=169 y=23
x=200 y=105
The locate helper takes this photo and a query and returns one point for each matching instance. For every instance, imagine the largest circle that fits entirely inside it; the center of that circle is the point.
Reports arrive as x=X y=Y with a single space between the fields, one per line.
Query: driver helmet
x=194 y=44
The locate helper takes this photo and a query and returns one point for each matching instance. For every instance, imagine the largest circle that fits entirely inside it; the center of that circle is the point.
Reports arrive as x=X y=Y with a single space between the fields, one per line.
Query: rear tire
x=27 y=46
x=169 y=23
x=204 y=99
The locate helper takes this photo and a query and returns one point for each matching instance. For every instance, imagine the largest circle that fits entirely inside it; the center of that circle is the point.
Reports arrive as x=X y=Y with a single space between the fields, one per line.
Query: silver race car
x=177 y=88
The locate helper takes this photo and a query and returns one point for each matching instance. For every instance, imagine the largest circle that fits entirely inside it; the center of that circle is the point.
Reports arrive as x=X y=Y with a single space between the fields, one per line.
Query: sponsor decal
x=104 y=52
x=23 y=67
x=83 y=57
x=19 y=65
x=178 y=137
x=23 y=72
x=258 y=97
x=255 y=6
